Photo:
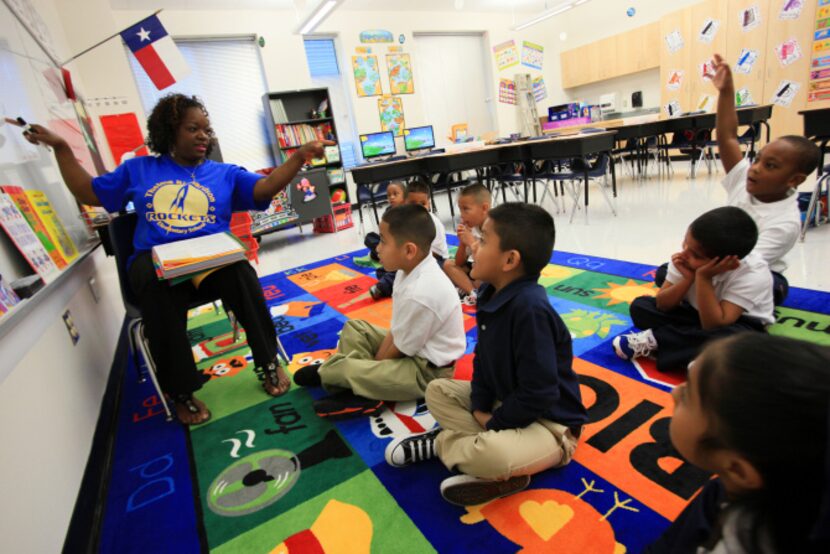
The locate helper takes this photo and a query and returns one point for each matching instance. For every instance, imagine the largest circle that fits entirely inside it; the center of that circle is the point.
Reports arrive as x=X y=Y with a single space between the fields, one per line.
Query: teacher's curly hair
x=165 y=119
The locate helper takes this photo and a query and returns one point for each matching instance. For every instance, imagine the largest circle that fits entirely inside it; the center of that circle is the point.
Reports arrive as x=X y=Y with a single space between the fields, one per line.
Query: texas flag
x=156 y=52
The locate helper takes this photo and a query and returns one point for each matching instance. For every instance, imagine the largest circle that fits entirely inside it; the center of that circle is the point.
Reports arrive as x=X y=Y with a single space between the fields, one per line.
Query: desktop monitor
x=377 y=144
x=418 y=138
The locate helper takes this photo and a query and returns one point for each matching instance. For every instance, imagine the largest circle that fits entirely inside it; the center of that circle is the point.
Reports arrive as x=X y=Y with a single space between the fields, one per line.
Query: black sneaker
x=414 y=448
x=466 y=490
x=308 y=376
x=345 y=405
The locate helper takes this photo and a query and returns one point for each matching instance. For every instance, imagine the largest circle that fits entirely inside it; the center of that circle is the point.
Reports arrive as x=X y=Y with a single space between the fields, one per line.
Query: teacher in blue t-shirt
x=181 y=194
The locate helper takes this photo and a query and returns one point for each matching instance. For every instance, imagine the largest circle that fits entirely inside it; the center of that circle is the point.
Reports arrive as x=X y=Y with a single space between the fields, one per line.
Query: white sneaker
x=466 y=490
x=635 y=345
x=414 y=448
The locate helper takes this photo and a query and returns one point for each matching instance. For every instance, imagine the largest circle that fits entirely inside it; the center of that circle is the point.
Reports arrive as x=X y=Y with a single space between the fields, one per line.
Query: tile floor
x=652 y=216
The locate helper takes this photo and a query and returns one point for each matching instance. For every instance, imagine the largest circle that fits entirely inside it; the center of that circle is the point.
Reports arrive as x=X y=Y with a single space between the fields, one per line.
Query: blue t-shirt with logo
x=175 y=202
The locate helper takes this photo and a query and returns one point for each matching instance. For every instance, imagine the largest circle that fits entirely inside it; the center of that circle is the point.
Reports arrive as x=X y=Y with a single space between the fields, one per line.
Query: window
x=227 y=75
x=325 y=72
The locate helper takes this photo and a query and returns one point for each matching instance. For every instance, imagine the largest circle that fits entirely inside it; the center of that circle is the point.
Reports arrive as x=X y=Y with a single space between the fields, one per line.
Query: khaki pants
x=354 y=367
x=463 y=444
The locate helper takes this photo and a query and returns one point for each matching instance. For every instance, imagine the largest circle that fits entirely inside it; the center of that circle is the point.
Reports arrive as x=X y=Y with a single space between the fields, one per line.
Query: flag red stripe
x=154 y=66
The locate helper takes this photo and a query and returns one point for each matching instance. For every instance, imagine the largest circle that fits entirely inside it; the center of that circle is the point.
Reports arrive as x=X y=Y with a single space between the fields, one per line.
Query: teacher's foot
x=190 y=410
x=276 y=382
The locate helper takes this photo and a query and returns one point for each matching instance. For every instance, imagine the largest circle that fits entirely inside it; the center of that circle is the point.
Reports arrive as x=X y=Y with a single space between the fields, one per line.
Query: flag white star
x=144 y=35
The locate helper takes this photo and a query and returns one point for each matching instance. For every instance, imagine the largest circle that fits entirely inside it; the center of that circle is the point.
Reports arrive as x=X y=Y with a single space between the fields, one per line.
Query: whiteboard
x=31 y=87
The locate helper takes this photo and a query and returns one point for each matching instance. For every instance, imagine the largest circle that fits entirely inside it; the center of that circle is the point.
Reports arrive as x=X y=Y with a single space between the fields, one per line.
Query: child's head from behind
x=516 y=240
x=755 y=411
x=417 y=192
x=780 y=166
x=395 y=193
x=406 y=234
x=726 y=231
x=474 y=203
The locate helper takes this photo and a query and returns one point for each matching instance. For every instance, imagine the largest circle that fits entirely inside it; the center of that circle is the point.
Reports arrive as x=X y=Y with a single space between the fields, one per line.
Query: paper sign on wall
x=746 y=60
x=390 y=109
x=400 y=74
x=785 y=93
x=675 y=79
x=540 y=92
x=507 y=91
x=706 y=70
x=366 y=75
x=750 y=18
x=674 y=41
x=743 y=97
x=706 y=103
x=673 y=108
x=532 y=55
x=791 y=9
x=788 y=51
x=709 y=30
x=507 y=55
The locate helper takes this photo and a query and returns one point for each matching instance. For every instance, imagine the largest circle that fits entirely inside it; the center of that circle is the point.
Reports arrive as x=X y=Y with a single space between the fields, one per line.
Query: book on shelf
x=292 y=136
x=336 y=176
x=54 y=225
x=332 y=154
x=8 y=298
x=25 y=239
x=188 y=257
x=18 y=195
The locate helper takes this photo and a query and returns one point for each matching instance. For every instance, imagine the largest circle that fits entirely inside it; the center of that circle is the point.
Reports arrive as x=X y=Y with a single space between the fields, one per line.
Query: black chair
x=582 y=171
x=121 y=232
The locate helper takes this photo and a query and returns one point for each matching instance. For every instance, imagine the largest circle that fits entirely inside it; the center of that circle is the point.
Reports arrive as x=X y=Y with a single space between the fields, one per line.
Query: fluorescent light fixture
x=555 y=10
x=317 y=16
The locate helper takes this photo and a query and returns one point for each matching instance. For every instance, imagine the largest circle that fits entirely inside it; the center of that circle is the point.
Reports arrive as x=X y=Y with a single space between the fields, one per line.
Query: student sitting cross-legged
x=426 y=338
x=715 y=287
x=522 y=413
x=473 y=203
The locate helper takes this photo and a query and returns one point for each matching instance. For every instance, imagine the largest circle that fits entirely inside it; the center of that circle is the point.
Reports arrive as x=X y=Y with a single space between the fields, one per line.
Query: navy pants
x=680 y=338
x=780 y=285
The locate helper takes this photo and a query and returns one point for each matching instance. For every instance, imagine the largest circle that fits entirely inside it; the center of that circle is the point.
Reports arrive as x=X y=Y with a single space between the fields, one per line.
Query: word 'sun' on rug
x=267 y=475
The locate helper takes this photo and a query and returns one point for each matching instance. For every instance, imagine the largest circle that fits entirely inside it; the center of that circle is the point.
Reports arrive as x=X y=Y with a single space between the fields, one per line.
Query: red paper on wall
x=123 y=135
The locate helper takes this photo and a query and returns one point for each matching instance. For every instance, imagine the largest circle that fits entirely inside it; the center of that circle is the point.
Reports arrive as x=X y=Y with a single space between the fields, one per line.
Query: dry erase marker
x=27 y=128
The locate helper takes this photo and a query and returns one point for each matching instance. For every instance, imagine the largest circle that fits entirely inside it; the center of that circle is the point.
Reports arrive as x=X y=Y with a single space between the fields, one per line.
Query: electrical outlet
x=93 y=288
x=70 y=327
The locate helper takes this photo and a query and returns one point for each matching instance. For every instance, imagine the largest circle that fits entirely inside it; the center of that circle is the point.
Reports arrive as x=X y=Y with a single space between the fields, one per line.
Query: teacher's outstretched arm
x=267 y=187
x=74 y=175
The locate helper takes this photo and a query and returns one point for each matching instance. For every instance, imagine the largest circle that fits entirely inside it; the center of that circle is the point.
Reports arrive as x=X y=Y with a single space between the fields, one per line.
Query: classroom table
x=817 y=129
x=559 y=147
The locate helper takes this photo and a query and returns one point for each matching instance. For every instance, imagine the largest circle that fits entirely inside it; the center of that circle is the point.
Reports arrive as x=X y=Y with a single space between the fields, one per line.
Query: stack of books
x=183 y=259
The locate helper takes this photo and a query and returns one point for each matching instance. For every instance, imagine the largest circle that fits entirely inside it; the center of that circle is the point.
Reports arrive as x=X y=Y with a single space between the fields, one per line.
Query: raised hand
x=723 y=74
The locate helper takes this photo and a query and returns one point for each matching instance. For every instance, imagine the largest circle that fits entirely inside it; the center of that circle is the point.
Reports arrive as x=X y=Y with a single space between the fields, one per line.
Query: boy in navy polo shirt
x=522 y=413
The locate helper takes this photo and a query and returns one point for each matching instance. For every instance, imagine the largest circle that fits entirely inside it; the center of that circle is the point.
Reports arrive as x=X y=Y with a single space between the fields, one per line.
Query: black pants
x=678 y=332
x=780 y=285
x=164 y=311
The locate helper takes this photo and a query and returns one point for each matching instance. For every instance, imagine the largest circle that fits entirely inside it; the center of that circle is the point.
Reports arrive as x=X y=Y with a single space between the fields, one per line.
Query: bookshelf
x=293 y=120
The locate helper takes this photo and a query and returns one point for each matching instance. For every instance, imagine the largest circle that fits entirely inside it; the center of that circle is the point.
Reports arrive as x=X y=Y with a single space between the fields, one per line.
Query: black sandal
x=272 y=378
x=186 y=400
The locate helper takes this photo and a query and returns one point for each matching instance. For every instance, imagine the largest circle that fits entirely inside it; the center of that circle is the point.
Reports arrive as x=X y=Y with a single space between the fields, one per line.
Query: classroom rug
x=267 y=475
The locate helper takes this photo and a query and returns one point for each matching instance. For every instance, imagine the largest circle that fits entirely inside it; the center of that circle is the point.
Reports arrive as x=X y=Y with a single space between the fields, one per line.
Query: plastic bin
x=342 y=220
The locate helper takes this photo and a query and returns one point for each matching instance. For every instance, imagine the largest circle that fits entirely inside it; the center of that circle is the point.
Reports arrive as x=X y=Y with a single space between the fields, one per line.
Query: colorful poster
x=818 y=89
x=788 y=52
x=366 y=76
x=785 y=93
x=376 y=35
x=540 y=92
x=400 y=74
x=743 y=98
x=750 y=18
x=532 y=55
x=674 y=41
x=746 y=60
x=675 y=79
x=507 y=55
x=390 y=109
x=708 y=30
x=507 y=91
x=790 y=9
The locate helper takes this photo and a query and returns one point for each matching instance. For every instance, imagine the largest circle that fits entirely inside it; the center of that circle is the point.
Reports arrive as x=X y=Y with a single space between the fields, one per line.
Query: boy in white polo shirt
x=765 y=188
x=715 y=287
x=426 y=338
